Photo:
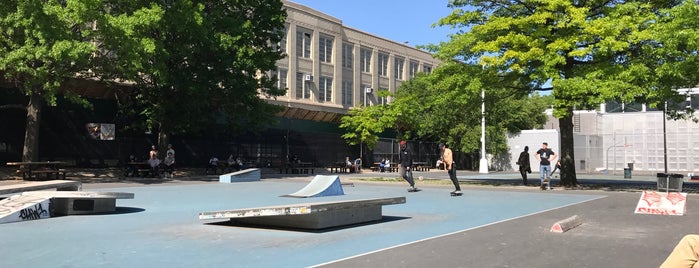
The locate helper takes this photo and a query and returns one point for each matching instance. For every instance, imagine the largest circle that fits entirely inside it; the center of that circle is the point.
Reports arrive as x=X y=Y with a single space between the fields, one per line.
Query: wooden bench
x=60 y=185
x=309 y=215
x=297 y=170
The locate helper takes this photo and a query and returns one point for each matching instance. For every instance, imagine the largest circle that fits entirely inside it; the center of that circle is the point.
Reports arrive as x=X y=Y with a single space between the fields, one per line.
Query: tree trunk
x=163 y=140
x=30 y=152
x=567 y=154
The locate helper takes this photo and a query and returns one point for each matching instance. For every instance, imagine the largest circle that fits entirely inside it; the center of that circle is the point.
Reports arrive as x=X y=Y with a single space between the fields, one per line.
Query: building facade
x=331 y=68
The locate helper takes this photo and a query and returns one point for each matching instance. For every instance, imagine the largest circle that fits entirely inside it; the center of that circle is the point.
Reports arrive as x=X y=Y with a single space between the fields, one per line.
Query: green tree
x=590 y=51
x=446 y=106
x=195 y=63
x=42 y=45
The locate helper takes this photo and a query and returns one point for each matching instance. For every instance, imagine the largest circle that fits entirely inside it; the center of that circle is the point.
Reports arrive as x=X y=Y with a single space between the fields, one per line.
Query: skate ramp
x=24 y=208
x=321 y=185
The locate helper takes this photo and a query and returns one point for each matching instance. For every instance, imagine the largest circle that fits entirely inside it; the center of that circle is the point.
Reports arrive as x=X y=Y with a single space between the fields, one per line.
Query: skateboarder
x=545 y=156
x=406 y=164
x=448 y=160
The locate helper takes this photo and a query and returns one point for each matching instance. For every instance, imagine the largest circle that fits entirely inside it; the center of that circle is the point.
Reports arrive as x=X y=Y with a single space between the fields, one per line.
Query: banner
x=101 y=131
x=659 y=203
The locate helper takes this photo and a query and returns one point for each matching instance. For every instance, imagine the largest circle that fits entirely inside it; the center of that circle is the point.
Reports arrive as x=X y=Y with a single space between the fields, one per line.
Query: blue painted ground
x=160 y=227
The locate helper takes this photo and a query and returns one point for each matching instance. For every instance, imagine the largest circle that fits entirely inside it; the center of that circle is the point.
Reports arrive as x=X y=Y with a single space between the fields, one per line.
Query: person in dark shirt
x=406 y=164
x=524 y=165
x=545 y=156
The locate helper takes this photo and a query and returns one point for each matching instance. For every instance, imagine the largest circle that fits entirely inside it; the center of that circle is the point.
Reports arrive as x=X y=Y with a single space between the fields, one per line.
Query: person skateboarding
x=448 y=160
x=545 y=156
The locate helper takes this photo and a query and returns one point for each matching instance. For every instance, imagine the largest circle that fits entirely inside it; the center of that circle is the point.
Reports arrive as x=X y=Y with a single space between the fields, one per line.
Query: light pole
x=483 y=167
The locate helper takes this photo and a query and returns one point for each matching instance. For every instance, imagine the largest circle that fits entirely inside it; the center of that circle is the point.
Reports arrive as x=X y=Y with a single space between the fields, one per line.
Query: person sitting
x=169 y=162
x=213 y=165
x=358 y=165
x=349 y=165
x=131 y=169
x=154 y=163
x=382 y=165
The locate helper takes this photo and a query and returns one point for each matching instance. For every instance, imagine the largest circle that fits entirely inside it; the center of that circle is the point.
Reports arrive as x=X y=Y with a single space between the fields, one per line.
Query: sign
x=660 y=203
x=101 y=131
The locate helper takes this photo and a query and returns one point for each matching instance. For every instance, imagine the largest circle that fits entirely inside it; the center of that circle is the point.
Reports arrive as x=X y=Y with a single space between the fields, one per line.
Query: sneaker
x=546 y=180
x=412 y=189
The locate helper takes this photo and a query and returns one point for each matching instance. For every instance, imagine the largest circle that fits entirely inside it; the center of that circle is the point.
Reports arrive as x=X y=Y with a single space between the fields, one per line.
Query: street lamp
x=483 y=167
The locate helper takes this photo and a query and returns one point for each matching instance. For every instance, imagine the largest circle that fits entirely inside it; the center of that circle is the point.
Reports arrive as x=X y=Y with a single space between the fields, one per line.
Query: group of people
x=406 y=166
x=232 y=163
x=545 y=156
x=165 y=167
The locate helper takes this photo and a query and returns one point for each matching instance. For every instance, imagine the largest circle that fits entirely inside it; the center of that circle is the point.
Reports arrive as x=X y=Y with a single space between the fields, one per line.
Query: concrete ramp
x=24 y=208
x=250 y=174
x=321 y=186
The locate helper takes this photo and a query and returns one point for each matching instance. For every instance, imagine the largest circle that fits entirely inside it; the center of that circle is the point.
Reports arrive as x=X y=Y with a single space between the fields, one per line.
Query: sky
x=398 y=20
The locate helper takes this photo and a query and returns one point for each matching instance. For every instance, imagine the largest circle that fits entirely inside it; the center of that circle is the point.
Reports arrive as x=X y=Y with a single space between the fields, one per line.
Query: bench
x=297 y=170
x=308 y=215
x=60 y=185
x=48 y=174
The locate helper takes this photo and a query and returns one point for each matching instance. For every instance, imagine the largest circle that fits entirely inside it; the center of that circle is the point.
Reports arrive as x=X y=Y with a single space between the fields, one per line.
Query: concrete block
x=567 y=224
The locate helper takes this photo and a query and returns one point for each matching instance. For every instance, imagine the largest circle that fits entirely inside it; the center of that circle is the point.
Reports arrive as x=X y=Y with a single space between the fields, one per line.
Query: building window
x=347 y=55
x=363 y=95
x=303 y=90
x=427 y=68
x=303 y=44
x=282 y=78
x=347 y=96
x=325 y=47
x=325 y=89
x=365 y=59
x=412 y=69
x=383 y=64
x=282 y=43
x=398 y=68
x=381 y=100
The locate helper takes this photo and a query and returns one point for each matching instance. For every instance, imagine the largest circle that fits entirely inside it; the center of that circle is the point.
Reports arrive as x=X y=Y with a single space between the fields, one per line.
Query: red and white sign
x=672 y=203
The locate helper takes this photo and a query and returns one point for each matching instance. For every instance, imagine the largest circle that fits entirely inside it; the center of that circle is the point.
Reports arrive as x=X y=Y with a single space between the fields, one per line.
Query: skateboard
x=412 y=190
x=546 y=185
x=456 y=194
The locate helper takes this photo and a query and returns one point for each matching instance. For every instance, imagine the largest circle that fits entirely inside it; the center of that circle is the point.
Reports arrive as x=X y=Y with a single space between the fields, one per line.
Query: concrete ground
x=497 y=223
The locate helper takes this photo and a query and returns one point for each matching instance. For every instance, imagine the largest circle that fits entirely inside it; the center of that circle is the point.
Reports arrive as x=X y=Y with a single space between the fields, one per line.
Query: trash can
x=627 y=173
x=670 y=182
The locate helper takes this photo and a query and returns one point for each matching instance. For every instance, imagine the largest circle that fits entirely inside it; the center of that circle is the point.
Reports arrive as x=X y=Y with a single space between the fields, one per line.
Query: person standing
x=406 y=164
x=524 y=165
x=545 y=156
x=448 y=160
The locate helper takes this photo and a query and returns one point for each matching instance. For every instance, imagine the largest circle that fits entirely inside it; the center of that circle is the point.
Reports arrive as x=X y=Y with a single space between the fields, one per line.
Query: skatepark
x=495 y=224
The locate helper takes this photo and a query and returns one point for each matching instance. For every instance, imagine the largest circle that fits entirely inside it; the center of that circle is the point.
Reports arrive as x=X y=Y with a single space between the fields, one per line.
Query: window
x=383 y=64
x=347 y=55
x=363 y=95
x=398 y=68
x=347 y=96
x=282 y=43
x=282 y=78
x=381 y=100
x=427 y=68
x=412 y=69
x=325 y=89
x=365 y=59
x=302 y=87
x=303 y=44
x=325 y=47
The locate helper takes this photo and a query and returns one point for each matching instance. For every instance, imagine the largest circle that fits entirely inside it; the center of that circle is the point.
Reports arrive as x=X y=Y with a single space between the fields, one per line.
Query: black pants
x=454 y=180
x=523 y=171
x=408 y=175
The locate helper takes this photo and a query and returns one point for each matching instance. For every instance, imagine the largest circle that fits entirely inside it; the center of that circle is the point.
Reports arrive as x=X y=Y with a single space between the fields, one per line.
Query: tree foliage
x=42 y=44
x=194 y=62
x=589 y=51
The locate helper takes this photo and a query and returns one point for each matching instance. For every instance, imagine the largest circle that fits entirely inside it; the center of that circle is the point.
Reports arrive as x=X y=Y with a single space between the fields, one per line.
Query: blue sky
x=400 y=21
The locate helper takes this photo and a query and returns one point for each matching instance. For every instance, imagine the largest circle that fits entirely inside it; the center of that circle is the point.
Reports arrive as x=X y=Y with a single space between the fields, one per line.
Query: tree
x=42 y=45
x=446 y=106
x=589 y=51
x=194 y=63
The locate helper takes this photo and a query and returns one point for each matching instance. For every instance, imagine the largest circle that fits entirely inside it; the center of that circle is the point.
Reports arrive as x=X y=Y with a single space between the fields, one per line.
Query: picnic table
x=35 y=170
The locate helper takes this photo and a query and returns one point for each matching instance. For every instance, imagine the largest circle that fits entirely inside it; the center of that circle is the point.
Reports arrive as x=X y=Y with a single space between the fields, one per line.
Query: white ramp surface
x=321 y=186
x=24 y=208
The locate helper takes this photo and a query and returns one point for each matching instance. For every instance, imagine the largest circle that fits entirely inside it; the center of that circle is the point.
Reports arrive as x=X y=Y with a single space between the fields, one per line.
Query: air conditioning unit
x=308 y=77
x=368 y=90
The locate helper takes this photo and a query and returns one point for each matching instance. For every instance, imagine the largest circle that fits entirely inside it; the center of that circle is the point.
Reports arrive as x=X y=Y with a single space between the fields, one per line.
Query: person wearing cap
x=545 y=156
x=406 y=163
x=448 y=160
